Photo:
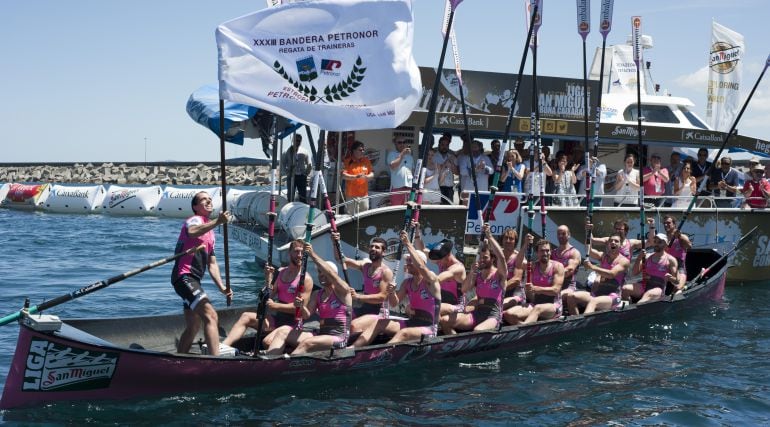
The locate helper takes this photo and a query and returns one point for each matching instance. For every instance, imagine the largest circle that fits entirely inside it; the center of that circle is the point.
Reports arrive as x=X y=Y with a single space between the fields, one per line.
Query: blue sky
x=89 y=80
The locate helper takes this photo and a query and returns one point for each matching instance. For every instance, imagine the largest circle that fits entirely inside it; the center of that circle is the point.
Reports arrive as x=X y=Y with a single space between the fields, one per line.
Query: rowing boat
x=124 y=358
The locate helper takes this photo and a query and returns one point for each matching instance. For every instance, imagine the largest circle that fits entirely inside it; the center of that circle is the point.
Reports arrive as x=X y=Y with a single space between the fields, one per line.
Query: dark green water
x=702 y=368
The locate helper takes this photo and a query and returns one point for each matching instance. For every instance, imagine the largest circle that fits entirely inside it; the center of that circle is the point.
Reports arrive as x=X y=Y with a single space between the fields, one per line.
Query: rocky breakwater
x=177 y=173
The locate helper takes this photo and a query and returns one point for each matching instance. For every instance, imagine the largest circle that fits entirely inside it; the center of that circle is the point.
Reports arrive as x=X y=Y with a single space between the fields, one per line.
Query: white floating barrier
x=254 y=207
x=3 y=191
x=131 y=200
x=233 y=194
x=26 y=196
x=293 y=216
x=72 y=199
x=175 y=202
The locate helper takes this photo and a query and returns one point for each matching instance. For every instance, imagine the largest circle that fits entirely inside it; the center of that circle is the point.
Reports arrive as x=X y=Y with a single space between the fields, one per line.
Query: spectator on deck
x=357 y=172
x=297 y=160
x=400 y=162
x=627 y=184
x=446 y=169
x=757 y=190
x=724 y=183
x=655 y=179
x=700 y=167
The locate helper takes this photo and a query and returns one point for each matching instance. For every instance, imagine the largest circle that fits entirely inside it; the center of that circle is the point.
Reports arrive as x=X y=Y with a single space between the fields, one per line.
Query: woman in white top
x=433 y=174
x=627 y=184
x=684 y=187
x=564 y=181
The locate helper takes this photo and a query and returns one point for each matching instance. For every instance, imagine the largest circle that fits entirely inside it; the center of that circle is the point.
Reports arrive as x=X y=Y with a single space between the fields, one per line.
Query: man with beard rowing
x=424 y=292
x=375 y=288
x=284 y=289
x=334 y=306
x=678 y=248
x=488 y=277
x=451 y=271
x=543 y=286
x=569 y=257
x=659 y=269
x=606 y=290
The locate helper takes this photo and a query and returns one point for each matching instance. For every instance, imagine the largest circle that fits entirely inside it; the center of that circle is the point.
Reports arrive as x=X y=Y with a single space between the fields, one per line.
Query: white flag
x=622 y=76
x=725 y=69
x=336 y=64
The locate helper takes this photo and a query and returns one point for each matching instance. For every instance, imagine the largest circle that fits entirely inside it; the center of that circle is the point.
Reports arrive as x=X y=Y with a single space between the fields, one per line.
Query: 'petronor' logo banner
x=724 y=57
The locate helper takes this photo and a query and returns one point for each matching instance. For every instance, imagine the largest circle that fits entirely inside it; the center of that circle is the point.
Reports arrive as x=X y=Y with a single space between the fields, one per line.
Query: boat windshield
x=692 y=118
x=651 y=114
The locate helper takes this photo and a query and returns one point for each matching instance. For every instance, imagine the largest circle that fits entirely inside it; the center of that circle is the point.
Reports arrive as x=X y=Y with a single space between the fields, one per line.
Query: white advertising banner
x=623 y=70
x=725 y=69
x=337 y=64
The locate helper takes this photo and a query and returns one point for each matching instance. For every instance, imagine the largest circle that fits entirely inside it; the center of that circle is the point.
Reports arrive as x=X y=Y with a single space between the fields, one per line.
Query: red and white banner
x=725 y=69
x=337 y=64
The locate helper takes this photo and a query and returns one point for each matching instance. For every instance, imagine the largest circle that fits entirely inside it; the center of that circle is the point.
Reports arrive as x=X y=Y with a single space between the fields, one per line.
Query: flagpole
x=223 y=177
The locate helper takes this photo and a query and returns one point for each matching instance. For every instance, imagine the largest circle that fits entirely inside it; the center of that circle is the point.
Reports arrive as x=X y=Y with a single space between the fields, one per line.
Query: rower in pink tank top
x=425 y=308
x=371 y=287
x=490 y=299
x=677 y=251
x=334 y=317
x=611 y=287
x=563 y=258
x=450 y=288
x=544 y=280
x=518 y=292
x=286 y=293
x=656 y=273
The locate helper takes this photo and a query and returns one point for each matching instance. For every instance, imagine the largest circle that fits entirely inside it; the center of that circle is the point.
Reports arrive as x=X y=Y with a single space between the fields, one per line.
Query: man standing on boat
x=446 y=169
x=478 y=163
x=660 y=268
x=188 y=272
x=376 y=277
x=424 y=292
x=543 y=286
x=757 y=190
x=297 y=159
x=655 y=179
x=724 y=183
x=334 y=307
x=357 y=173
x=700 y=167
x=610 y=276
x=284 y=290
x=400 y=163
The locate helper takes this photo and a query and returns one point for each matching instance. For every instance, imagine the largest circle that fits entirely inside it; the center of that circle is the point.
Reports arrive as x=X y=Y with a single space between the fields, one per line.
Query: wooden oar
x=95 y=286
x=636 y=33
x=605 y=25
x=506 y=133
x=535 y=116
x=427 y=138
x=312 y=202
x=724 y=143
x=223 y=178
x=264 y=293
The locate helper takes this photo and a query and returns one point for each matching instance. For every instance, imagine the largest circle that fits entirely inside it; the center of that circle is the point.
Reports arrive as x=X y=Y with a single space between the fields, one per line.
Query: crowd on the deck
x=505 y=285
x=469 y=168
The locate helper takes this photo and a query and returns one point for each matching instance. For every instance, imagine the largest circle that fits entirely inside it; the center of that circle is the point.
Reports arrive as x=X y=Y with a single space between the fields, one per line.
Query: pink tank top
x=334 y=315
x=609 y=286
x=544 y=280
x=287 y=291
x=423 y=303
x=625 y=248
x=563 y=258
x=656 y=272
x=450 y=289
x=489 y=288
x=371 y=284
x=677 y=251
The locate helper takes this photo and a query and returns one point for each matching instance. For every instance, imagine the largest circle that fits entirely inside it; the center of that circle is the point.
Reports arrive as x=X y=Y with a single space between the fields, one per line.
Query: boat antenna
x=223 y=177
x=312 y=202
x=725 y=138
x=636 y=32
x=605 y=25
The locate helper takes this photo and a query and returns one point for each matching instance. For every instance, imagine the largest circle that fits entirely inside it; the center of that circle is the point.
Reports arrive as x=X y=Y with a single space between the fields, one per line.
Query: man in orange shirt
x=356 y=173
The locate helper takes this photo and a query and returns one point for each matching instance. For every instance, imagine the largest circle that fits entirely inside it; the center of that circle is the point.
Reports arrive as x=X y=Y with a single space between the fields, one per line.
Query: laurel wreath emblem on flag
x=331 y=93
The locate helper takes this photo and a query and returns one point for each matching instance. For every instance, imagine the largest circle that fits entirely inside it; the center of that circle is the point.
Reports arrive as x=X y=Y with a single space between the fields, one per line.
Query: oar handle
x=95 y=286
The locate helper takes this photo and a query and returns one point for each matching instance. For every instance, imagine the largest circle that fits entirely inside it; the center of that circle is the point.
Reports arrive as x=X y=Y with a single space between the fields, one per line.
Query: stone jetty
x=252 y=172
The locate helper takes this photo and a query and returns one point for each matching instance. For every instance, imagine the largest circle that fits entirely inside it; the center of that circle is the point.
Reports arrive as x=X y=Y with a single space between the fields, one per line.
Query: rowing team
x=436 y=301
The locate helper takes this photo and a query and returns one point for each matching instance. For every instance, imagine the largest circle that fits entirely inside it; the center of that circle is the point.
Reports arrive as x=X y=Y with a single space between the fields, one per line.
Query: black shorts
x=189 y=289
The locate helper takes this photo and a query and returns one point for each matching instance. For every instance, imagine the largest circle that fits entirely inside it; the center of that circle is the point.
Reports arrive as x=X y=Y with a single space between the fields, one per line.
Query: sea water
x=705 y=367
